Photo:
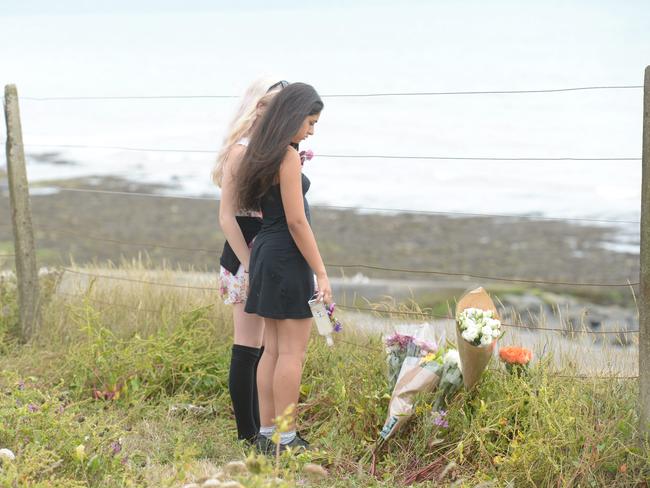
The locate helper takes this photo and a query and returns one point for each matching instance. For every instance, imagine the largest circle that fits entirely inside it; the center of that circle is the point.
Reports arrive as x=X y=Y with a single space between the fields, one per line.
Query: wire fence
x=355 y=208
x=356 y=344
x=346 y=95
x=348 y=156
x=380 y=268
x=374 y=310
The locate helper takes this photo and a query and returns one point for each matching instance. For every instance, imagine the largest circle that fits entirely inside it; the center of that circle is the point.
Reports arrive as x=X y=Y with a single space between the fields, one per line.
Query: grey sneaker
x=264 y=445
x=297 y=444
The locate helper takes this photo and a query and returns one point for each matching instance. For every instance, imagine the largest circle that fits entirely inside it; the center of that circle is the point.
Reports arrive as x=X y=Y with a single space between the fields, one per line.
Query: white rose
x=486 y=330
x=494 y=323
x=470 y=324
x=485 y=340
x=452 y=357
x=470 y=334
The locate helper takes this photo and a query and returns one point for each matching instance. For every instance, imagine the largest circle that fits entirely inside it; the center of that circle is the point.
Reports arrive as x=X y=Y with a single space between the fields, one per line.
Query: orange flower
x=515 y=355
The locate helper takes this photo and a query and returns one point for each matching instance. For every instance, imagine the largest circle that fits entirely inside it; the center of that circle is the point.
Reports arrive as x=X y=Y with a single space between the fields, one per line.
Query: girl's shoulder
x=292 y=153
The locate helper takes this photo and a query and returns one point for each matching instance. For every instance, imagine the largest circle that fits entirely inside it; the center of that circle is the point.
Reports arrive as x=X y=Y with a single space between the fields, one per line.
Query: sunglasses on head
x=280 y=84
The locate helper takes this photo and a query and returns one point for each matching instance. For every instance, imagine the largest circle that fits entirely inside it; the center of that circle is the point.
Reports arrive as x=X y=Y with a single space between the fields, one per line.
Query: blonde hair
x=242 y=123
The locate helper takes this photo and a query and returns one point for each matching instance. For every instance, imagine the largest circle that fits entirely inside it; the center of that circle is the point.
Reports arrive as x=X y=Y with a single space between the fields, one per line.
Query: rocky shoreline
x=184 y=234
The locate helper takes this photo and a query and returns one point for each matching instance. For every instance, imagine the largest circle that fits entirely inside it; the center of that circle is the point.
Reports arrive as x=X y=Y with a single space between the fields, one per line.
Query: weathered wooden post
x=644 y=311
x=21 y=217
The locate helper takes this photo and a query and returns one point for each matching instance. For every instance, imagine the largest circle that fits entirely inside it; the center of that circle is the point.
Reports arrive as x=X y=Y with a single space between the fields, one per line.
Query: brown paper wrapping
x=474 y=359
x=400 y=409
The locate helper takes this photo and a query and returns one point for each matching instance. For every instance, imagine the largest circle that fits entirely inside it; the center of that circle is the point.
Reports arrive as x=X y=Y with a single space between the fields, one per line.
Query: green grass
x=164 y=347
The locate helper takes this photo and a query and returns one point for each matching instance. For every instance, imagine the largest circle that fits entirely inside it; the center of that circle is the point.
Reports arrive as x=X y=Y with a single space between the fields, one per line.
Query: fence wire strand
x=344 y=95
x=366 y=309
x=482 y=277
x=383 y=268
x=344 y=156
x=338 y=339
x=355 y=208
x=531 y=328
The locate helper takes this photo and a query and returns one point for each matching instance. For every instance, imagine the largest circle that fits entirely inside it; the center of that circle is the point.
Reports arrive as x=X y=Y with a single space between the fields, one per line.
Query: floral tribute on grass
x=438 y=370
x=516 y=358
x=399 y=347
x=477 y=329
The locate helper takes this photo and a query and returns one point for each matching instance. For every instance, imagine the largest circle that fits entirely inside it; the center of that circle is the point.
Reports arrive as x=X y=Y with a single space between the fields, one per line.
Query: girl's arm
x=228 y=206
x=294 y=209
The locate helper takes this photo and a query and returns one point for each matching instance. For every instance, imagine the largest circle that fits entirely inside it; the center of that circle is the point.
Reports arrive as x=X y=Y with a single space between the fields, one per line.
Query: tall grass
x=117 y=366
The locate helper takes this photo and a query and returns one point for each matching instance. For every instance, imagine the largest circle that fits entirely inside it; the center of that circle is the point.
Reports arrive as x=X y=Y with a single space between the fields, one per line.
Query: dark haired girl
x=285 y=256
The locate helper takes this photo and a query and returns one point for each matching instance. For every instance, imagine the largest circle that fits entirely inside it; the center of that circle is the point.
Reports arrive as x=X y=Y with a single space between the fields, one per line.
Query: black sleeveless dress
x=280 y=280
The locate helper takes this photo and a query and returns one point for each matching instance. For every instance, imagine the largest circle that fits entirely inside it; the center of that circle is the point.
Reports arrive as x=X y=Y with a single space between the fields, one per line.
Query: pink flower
x=402 y=341
x=306 y=155
x=116 y=448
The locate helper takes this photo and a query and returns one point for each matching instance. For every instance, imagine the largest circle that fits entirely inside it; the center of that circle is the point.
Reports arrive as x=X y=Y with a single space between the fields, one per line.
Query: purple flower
x=426 y=346
x=306 y=155
x=61 y=409
x=21 y=385
x=402 y=341
x=32 y=408
x=338 y=327
x=439 y=419
x=116 y=448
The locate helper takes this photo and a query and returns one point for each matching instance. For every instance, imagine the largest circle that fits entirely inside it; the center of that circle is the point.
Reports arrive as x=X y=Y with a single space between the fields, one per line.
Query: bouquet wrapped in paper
x=418 y=375
x=400 y=346
x=477 y=329
x=451 y=379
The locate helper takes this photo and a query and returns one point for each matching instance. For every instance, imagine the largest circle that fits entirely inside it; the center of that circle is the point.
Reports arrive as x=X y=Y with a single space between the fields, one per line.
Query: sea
x=81 y=73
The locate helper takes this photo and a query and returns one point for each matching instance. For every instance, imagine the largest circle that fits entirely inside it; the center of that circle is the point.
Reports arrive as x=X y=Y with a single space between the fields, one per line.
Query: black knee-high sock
x=241 y=383
x=256 y=401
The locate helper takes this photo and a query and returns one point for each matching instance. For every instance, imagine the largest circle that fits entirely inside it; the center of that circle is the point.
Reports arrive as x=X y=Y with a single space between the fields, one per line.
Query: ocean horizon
x=428 y=47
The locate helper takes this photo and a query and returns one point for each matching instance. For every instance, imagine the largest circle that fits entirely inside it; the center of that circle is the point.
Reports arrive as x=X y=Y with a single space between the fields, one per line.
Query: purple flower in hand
x=336 y=324
x=338 y=327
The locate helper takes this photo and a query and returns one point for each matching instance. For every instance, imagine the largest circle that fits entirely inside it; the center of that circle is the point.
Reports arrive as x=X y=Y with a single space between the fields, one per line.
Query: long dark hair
x=270 y=141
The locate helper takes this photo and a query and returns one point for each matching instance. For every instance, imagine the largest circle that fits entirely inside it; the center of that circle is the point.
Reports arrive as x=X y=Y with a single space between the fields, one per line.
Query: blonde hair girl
x=240 y=228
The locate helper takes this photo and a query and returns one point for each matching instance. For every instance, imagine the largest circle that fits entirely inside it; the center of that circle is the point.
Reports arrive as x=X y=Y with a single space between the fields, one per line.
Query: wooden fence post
x=644 y=311
x=21 y=217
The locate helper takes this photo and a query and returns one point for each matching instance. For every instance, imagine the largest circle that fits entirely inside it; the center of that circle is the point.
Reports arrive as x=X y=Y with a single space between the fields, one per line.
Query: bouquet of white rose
x=477 y=329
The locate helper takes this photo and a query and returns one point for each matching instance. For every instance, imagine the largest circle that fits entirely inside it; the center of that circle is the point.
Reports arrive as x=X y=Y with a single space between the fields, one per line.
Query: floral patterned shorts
x=232 y=287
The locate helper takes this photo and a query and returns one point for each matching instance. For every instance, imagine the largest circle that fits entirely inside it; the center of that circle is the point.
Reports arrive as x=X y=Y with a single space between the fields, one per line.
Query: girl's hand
x=324 y=289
